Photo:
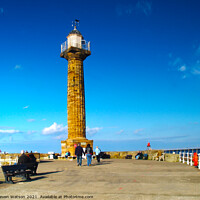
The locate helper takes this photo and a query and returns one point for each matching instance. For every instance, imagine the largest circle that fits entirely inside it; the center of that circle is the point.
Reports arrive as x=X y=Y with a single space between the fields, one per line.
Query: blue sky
x=142 y=80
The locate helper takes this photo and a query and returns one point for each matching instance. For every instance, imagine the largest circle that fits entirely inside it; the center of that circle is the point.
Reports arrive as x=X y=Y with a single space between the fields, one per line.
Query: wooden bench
x=10 y=171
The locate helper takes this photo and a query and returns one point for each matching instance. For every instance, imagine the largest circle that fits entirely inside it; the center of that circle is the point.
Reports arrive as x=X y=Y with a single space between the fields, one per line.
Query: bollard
x=179 y=156
x=199 y=161
x=191 y=163
x=188 y=158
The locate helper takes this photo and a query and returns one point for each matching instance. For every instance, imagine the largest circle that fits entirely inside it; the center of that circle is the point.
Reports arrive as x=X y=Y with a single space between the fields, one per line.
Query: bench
x=10 y=171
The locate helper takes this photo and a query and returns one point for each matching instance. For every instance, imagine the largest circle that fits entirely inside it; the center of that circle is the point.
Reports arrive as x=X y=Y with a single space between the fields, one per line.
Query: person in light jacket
x=97 y=152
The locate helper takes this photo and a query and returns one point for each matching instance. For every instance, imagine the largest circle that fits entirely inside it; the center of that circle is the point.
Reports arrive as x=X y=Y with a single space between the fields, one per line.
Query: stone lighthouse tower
x=75 y=50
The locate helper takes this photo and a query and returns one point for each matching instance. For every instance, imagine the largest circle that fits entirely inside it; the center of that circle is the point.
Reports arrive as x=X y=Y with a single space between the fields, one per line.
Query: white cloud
x=137 y=131
x=25 y=107
x=61 y=137
x=92 y=131
x=196 y=71
x=10 y=131
x=182 y=68
x=30 y=120
x=18 y=67
x=44 y=119
x=189 y=68
x=54 y=128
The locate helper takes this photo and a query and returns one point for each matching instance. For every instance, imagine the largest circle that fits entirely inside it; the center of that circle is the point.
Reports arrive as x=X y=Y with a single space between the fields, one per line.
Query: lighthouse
x=75 y=49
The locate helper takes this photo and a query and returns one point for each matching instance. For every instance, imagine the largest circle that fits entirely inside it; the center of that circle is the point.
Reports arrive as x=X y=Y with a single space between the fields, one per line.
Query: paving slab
x=112 y=179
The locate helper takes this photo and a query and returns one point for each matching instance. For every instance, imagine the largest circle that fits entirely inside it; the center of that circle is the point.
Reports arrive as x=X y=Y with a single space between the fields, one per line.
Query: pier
x=112 y=179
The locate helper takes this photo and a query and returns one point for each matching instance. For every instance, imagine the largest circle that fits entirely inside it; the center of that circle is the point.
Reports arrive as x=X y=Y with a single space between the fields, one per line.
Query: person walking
x=89 y=153
x=78 y=153
x=97 y=152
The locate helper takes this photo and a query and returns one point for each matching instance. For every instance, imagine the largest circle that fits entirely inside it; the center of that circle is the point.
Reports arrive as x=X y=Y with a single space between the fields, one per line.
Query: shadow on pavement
x=45 y=161
x=102 y=163
x=37 y=178
x=45 y=173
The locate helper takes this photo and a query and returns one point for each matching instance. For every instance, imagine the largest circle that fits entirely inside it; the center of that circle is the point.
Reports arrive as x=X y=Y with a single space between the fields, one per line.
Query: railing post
x=199 y=161
x=191 y=163
x=188 y=158
x=183 y=157
x=10 y=160
x=179 y=156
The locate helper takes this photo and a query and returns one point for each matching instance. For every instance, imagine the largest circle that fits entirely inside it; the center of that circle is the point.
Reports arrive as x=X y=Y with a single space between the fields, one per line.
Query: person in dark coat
x=78 y=153
x=32 y=157
x=29 y=161
x=34 y=164
x=139 y=155
x=89 y=153
x=23 y=158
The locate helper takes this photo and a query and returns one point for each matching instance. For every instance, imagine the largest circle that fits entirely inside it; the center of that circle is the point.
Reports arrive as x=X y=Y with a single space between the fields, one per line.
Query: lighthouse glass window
x=74 y=41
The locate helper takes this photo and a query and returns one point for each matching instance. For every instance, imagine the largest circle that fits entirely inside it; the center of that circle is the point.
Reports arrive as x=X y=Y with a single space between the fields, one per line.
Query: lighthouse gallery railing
x=84 y=45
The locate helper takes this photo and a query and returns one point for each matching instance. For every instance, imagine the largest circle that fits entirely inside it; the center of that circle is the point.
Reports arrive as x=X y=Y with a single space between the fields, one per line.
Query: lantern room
x=75 y=39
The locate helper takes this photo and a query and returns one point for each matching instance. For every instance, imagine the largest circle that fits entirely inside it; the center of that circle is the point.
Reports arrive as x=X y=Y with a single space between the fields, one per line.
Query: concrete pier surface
x=112 y=179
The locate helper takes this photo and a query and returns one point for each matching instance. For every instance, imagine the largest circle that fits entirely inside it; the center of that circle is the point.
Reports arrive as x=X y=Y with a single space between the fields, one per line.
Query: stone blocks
x=75 y=100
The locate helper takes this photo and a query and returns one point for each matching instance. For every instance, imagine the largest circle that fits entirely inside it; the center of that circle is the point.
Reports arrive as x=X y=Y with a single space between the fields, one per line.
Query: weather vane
x=75 y=23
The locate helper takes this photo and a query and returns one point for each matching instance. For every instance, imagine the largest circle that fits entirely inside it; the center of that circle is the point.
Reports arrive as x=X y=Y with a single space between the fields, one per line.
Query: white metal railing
x=188 y=158
x=84 y=45
x=8 y=160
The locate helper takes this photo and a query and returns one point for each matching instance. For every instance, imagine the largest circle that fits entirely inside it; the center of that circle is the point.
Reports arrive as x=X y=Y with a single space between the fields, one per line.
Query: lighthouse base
x=70 y=145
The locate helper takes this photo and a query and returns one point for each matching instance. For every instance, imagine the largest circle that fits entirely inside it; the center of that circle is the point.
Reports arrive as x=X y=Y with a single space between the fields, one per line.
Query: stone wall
x=123 y=154
x=172 y=157
x=151 y=153
x=113 y=155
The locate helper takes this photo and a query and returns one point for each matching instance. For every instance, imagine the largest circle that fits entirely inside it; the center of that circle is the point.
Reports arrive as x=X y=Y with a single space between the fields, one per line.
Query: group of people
x=26 y=158
x=88 y=152
x=139 y=155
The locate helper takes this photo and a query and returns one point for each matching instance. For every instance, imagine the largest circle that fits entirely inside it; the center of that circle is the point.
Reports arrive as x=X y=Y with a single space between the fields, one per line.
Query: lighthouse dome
x=75 y=31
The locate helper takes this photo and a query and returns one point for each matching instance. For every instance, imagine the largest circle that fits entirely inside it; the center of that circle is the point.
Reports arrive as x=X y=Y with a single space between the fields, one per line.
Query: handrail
x=84 y=45
x=188 y=157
